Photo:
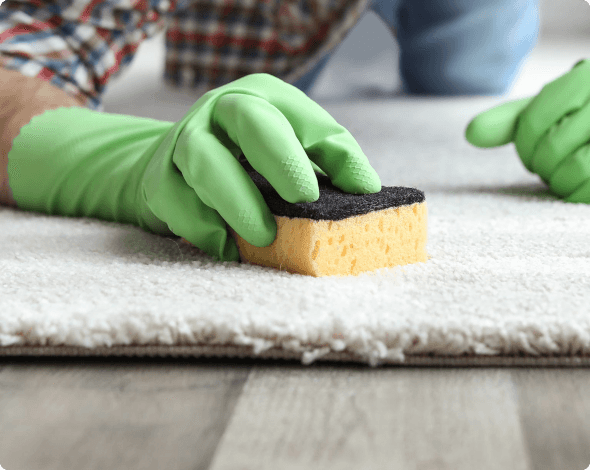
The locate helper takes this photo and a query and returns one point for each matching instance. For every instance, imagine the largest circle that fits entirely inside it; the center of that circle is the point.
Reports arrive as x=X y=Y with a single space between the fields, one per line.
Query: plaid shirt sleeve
x=211 y=43
x=77 y=45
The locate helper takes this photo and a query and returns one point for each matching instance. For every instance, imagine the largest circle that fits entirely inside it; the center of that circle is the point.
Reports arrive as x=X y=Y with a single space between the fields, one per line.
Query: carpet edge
x=246 y=352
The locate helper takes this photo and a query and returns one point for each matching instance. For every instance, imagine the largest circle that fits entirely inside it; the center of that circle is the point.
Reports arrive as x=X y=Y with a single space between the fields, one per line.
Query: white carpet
x=508 y=278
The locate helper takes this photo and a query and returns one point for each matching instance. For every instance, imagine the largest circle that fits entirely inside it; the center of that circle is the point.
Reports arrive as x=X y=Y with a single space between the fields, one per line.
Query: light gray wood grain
x=341 y=418
x=179 y=415
x=114 y=416
x=555 y=416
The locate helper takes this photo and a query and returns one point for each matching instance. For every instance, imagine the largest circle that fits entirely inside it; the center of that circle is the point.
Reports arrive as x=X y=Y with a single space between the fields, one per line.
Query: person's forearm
x=22 y=98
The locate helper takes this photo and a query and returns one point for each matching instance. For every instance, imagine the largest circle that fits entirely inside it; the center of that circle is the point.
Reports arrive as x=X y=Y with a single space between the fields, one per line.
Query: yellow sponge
x=367 y=242
x=341 y=234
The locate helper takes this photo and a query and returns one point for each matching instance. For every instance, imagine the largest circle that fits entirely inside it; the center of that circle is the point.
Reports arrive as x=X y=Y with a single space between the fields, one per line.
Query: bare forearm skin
x=22 y=98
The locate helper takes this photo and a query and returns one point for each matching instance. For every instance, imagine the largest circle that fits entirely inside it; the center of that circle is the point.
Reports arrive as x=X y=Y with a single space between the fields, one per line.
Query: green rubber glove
x=550 y=131
x=184 y=178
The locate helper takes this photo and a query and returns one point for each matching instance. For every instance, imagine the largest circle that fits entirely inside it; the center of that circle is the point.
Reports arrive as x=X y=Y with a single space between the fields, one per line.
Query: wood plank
x=105 y=415
x=394 y=418
x=555 y=416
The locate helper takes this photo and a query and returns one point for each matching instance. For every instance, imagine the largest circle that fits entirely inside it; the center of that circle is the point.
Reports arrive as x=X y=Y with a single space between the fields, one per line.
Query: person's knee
x=476 y=52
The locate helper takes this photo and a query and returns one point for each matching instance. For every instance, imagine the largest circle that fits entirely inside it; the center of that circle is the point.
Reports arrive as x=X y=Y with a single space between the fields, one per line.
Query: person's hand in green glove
x=184 y=178
x=551 y=132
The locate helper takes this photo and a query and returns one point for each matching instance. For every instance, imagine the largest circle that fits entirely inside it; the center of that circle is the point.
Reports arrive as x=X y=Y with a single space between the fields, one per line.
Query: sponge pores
x=341 y=234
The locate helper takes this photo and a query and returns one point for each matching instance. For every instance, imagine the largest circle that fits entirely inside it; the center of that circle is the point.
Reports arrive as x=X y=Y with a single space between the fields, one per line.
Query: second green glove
x=550 y=131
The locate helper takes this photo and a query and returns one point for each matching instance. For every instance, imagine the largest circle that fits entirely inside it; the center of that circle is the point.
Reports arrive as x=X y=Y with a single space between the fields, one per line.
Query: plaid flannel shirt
x=79 y=45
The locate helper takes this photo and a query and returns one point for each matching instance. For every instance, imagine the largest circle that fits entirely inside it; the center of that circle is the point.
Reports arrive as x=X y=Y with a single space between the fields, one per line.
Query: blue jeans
x=455 y=47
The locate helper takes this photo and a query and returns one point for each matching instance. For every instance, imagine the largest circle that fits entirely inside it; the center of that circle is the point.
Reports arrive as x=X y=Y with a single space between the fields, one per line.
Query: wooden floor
x=226 y=414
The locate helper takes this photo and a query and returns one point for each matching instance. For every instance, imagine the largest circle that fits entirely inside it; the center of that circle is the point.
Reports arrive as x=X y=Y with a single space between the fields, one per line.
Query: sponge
x=341 y=234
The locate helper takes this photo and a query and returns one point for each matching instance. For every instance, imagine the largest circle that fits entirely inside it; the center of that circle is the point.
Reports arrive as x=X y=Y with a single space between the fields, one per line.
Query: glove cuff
x=83 y=163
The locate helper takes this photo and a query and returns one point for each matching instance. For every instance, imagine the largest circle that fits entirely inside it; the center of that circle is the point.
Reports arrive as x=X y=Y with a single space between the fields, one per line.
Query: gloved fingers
x=328 y=144
x=496 y=126
x=559 y=98
x=564 y=138
x=220 y=181
x=270 y=145
x=340 y=156
x=571 y=173
x=173 y=201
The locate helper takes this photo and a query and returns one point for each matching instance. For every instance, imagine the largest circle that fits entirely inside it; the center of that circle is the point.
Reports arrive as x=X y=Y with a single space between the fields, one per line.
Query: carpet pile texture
x=507 y=282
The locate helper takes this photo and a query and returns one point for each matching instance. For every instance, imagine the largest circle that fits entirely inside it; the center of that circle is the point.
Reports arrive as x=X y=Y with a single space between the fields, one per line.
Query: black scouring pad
x=333 y=203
